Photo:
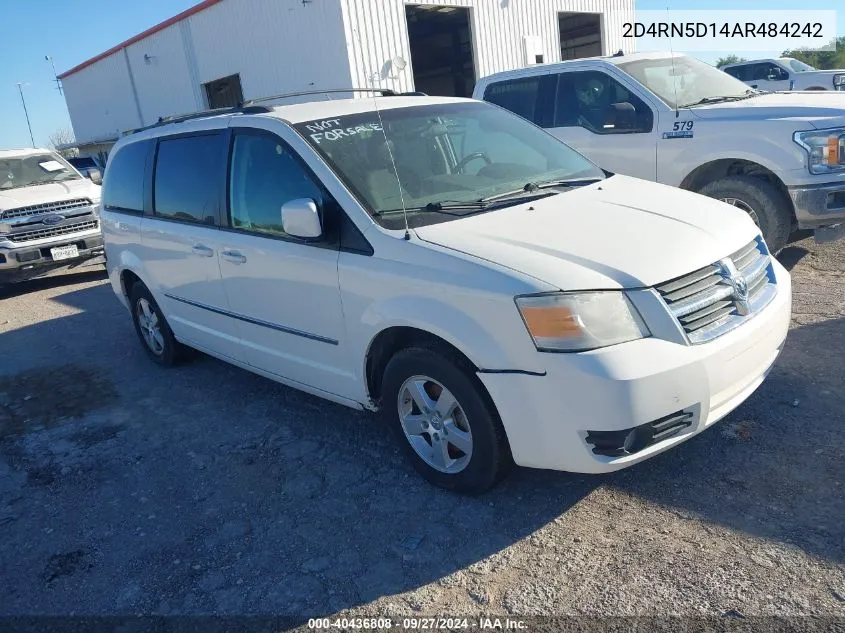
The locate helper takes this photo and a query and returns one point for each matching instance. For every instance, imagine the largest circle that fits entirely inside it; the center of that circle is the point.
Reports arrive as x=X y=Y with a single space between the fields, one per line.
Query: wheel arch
x=386 y=343
x=724 y=167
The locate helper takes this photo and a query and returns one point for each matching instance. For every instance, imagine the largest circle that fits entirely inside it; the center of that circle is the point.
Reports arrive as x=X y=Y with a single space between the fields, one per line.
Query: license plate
x=64 y=252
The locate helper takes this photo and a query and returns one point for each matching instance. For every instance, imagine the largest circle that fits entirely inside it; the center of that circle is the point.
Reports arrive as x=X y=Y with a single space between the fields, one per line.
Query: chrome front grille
x=40 y=234
x=720 y=297
x=49 y=207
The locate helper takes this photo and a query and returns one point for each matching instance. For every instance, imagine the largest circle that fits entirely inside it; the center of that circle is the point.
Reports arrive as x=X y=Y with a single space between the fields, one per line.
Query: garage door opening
x=580 y=35
x=441 y=50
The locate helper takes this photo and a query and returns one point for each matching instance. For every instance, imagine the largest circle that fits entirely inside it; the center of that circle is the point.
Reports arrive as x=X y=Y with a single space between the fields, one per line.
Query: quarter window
x=187 y=170
x=123 y=188
x=264 y=175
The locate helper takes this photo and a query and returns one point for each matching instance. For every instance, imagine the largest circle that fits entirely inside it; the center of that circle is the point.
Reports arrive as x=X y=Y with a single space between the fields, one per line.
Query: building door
x=580 y=35
x=441 y=50
x=224 y=93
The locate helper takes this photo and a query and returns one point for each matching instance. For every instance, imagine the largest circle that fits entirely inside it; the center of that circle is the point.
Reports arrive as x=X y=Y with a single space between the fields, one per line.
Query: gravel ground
x=125 y=488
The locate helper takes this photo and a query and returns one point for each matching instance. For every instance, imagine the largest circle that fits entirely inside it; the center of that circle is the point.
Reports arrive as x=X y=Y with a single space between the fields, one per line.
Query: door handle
x=202 y=250
x=235 y=257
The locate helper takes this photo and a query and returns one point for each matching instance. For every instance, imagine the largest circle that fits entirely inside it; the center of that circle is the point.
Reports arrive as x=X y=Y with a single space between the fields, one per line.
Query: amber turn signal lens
x=551 y=322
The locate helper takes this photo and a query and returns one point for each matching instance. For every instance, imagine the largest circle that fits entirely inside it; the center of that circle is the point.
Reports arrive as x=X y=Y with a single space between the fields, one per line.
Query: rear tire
x=766 y=204
x=153 y=331
x=476 y=454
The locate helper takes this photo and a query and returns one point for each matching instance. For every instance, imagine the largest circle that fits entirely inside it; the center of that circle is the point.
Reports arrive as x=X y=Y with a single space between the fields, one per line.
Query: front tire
x=443 y=421
x=762 y=201
x=155 y=334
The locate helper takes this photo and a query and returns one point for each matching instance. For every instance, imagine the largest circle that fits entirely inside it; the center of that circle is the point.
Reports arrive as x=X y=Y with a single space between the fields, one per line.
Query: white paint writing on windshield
x=333 y=130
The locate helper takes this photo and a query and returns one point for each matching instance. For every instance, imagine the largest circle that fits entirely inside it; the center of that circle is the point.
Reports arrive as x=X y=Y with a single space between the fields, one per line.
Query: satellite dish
x=399 y=63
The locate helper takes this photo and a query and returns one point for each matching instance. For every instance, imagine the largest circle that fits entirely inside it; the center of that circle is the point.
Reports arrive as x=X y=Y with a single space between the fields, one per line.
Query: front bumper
x=547 y=418
x=19 y=262
x=819 y=205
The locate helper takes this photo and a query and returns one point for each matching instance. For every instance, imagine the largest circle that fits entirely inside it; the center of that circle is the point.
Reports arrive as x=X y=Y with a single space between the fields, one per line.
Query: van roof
x=23 y=152
x=294 y=113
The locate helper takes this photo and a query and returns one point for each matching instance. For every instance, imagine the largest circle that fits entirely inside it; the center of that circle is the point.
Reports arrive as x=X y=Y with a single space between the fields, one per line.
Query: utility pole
x=23 y=101
x=58 y=81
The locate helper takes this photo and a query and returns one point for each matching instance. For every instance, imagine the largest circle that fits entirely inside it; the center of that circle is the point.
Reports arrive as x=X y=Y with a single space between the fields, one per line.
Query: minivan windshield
x=34 y=169
x=684 y=82
x=450 y=160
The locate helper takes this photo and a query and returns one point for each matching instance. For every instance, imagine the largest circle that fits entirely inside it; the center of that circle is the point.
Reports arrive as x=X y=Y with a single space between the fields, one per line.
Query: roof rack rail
x=249 y=106
x=384 y=92
x=179 y=118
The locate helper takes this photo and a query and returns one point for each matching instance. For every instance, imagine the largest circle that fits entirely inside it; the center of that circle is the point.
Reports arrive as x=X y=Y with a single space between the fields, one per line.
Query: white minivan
x=494 y=294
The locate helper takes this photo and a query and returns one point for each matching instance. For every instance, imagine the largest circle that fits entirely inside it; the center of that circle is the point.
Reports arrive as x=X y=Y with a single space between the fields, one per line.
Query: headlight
x=826 y=149
x=839 y=81
x=580 y=321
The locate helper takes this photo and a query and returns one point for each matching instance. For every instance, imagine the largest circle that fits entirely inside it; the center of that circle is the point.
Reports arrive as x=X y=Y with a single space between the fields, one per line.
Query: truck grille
x=49 y=207
x=720 y=297
x=40 y=234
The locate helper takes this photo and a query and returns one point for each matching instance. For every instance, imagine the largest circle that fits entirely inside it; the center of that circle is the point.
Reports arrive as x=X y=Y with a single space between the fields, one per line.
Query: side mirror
x=621 y=116
x=300 y=218
x=95 y=176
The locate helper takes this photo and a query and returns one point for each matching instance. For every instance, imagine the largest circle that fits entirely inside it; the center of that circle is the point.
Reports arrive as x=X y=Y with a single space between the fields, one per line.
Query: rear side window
x=187 y=177
x=517 y=95
x=123 y=187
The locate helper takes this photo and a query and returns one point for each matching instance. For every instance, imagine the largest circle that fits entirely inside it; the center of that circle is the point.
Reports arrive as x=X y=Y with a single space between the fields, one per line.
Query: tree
x=62 y=136
x=729 y=59
x=823 y=60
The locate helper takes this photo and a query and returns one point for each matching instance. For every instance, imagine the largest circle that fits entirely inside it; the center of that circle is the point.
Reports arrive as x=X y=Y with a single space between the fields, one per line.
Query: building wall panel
x=377 y=32
x=276 y=46
x=99 y=99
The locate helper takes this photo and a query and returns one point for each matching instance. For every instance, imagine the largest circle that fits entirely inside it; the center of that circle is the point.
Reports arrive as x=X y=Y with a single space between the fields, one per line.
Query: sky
x=72 y=32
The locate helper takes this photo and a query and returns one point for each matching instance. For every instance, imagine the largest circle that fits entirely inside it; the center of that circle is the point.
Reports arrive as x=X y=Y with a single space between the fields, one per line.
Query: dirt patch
x=65 y=564
x=43 y=398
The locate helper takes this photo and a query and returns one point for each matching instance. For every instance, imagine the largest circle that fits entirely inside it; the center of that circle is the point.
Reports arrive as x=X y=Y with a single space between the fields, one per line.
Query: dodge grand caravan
x=491 y=292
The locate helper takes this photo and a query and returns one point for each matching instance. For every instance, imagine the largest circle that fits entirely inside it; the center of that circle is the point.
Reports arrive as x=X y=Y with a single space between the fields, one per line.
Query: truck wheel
x=156 y=336
x=766 y=205
x=442 y=420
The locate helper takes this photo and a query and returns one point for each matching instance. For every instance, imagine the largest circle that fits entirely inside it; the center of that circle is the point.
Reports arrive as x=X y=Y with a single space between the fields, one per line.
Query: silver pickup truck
x=49 y=215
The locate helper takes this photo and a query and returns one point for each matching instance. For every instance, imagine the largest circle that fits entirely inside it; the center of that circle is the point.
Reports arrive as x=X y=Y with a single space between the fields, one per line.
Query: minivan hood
x=819 y=108
x=619 y=233
x=49 y=192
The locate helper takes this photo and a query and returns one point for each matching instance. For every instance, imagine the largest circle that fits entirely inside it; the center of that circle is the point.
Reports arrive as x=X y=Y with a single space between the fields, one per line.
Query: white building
x=223 y=51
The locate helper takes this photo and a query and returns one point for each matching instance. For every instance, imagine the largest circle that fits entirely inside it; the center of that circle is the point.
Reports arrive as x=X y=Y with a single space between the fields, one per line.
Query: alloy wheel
x=435 y=424
x=150 y=326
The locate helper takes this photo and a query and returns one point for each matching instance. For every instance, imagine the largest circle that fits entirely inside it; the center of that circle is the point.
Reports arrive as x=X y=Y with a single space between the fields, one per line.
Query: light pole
x=23 y=101
x=58 y=81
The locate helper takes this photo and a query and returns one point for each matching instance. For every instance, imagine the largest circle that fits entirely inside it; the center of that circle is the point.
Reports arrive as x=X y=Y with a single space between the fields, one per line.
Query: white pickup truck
x=785 y=73
x=673 y=119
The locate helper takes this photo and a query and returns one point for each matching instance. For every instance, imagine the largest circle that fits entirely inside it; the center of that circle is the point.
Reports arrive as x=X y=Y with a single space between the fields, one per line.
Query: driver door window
x=264 y=175
x=769 y=76
x=599 y=103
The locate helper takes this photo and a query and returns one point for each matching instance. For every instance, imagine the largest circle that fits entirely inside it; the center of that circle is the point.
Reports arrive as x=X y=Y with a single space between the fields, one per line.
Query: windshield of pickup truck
x=686 y=81
x=796 y=65
x=35 y=169
x=450 y=160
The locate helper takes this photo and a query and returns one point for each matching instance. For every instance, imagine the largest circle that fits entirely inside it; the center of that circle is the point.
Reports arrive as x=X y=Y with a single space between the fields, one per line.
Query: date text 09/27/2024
x=417 y=624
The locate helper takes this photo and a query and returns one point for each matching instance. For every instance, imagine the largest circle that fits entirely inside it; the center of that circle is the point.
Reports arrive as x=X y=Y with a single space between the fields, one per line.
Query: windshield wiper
x=440 y=207
x=748 y=94
x=533 y=187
